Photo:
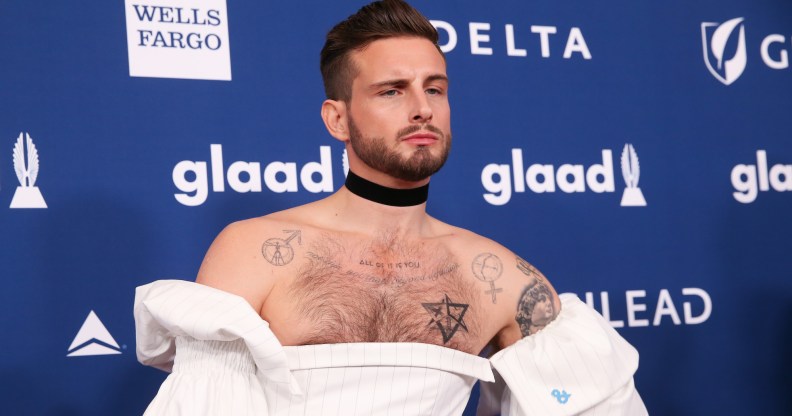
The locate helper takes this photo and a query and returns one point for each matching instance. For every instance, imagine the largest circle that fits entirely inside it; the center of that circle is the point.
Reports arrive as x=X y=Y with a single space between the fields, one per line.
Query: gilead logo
x=696 y=307
x=748 y=180
x=725 y=49
x=725 y=69
x=192 y=177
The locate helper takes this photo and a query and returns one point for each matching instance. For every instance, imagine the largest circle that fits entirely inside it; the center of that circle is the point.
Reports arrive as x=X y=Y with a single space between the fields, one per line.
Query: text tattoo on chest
x=408 y=264
x=352 y=292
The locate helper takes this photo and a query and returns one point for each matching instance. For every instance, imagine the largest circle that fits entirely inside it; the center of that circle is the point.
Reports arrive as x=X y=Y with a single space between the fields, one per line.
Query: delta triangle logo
x=93 y=339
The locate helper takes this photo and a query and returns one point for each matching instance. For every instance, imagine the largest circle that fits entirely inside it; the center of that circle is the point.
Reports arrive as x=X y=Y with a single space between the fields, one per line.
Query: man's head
x=386 y=84
x=378 y=20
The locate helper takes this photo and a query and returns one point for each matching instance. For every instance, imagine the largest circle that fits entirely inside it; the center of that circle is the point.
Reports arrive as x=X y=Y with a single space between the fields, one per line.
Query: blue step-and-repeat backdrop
x=637 y=152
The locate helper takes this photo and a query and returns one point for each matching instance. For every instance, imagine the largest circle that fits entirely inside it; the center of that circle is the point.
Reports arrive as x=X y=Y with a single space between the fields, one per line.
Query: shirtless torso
x=347 y=269
x=331 y=279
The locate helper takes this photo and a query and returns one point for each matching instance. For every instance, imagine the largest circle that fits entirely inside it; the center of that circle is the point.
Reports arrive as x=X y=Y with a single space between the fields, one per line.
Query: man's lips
x=421 y=138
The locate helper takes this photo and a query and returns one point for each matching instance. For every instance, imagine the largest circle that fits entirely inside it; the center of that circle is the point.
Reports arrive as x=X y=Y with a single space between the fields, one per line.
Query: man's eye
x=389 y=93
x=434 y=91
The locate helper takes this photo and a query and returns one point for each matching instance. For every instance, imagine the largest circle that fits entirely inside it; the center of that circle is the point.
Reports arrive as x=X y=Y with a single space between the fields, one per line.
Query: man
x=369 y=265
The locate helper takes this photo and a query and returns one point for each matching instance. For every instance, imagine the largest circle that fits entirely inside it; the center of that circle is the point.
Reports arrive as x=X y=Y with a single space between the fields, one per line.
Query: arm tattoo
x=278 y=251
x=529 y=270
x=535 y=309
x=488 y=268
x=447 y=316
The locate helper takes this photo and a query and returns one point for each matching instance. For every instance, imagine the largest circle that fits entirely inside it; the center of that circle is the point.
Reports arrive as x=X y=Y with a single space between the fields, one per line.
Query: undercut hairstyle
x=379 y=20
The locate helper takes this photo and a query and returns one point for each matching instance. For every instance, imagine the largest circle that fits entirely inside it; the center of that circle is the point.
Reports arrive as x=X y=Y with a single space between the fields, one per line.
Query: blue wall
x=698 y=279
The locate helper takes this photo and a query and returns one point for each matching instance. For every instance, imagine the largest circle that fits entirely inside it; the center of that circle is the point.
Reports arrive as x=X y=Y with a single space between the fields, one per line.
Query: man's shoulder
x=504 y=279
x=515 y=287
x=252 y=230
x=298 y=216
x=467 y=242
x=248 y=255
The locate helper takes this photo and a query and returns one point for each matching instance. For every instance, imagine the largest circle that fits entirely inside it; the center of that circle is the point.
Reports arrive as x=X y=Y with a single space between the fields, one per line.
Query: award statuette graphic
x=345 y=163
x=27 y=195
x=278 y=251
x=631 y=170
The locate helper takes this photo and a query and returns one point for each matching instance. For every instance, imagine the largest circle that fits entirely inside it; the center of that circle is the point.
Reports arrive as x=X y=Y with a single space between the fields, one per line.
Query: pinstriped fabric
x=403 y=354
x=167 y=309
x=384 y=378
x=229 y=362
x=373 y=390
x=578 y=354
x=220 y=339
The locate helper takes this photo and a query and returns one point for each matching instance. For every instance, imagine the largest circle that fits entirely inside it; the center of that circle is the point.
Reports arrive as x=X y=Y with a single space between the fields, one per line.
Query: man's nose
x=421 y=111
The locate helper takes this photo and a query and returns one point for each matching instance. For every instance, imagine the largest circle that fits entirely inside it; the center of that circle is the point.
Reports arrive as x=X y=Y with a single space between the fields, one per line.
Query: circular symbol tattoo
x=277 y=251
x=487 y=267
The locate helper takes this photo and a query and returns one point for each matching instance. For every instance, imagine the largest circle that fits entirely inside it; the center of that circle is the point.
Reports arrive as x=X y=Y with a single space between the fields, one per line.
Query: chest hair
x=384 y=290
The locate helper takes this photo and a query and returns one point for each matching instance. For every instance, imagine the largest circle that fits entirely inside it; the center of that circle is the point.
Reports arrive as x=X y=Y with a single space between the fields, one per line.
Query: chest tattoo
x=448 y=316
x=382 y=291
x=488 y=268
x=279 y=251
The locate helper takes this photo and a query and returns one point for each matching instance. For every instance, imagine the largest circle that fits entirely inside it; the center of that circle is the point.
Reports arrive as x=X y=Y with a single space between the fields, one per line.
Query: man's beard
x=421 y=164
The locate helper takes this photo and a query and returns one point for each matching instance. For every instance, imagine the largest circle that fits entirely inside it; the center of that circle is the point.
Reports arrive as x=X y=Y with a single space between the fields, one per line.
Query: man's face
x=543 y=311
x=399 y=117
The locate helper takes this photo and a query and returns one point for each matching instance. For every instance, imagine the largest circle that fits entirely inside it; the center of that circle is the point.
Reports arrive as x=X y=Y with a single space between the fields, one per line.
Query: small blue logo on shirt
x=562 y=396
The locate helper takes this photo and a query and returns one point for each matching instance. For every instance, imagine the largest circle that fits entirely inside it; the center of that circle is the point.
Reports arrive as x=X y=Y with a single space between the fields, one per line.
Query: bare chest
x=381 y=292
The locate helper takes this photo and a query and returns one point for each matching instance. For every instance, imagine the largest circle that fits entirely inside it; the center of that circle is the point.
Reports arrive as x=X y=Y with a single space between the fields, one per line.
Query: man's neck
x=386 y=180
x=359 y=212
x=385 y=195
x=367 y=215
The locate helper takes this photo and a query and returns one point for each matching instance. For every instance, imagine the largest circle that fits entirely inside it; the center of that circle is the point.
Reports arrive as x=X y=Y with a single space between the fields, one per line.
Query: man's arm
x=533 y=302
x=572 y=363
x=234 y=264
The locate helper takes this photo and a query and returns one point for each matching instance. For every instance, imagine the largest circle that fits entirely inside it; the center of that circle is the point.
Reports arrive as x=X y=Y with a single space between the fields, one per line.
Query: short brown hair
x=378 y=20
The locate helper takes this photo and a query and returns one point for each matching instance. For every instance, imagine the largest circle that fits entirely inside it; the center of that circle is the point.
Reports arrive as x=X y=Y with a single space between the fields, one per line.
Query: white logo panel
x=26 y=166
x=85 y=342
x=178 y=39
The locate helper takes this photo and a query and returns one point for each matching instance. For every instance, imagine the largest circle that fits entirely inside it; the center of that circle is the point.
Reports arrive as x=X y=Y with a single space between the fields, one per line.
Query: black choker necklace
x=384 y=195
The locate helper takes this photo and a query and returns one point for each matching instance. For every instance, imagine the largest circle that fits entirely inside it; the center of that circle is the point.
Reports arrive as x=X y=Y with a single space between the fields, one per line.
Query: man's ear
x=334 y=114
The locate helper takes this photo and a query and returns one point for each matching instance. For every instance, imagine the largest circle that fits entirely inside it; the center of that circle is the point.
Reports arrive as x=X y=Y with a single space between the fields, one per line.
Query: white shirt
x=224 y=360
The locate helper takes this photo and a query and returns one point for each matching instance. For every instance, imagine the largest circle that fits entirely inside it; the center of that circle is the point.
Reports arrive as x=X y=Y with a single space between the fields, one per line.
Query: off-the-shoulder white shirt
x=224 y=360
